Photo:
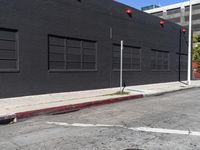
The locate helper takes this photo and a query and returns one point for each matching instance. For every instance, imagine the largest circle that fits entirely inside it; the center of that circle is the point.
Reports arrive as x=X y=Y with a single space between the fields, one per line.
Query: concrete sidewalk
x=22 y=107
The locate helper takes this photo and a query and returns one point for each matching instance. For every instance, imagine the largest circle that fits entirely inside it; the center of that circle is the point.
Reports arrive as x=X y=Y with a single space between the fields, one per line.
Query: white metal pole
x=121 y=65
x=189 y=45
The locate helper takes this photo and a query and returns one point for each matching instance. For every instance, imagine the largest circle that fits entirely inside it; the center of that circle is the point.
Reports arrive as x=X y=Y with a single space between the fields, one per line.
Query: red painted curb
x=27 y=114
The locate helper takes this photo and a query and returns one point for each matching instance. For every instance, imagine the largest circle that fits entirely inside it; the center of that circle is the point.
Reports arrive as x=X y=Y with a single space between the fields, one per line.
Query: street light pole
x=189 y=45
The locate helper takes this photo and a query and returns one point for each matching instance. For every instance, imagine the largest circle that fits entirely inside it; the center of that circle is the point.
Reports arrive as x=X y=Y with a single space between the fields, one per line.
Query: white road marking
x=159 y=130
x=83 y=125
x=142 y=129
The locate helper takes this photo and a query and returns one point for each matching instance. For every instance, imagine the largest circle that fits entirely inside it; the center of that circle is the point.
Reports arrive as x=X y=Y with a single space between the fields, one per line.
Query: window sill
x=161 y=70
x=69 y=71
x=9 y=71
x=127 y=70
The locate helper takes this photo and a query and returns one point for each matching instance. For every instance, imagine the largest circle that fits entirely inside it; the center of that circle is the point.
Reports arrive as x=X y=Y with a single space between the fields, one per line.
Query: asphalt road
x=167 y=122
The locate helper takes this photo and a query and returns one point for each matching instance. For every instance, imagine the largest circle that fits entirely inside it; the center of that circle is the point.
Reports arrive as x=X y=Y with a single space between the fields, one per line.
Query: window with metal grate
x=159 y=60
x=72 y=54
x=131 y=58
x=9 y=58
x=183 y=62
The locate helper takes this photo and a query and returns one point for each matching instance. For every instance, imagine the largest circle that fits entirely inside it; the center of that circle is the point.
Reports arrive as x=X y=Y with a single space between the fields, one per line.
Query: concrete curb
x=69 y=108
x=172 y=91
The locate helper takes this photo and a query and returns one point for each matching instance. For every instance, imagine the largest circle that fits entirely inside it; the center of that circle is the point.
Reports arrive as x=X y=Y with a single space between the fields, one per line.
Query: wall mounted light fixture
x=162 y=22
x=184 y=30
x=129 y=12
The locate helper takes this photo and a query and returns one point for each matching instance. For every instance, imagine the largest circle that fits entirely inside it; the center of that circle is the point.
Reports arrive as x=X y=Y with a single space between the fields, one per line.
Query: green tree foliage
x=196 y=53
x=196 y=48
x=195 y=38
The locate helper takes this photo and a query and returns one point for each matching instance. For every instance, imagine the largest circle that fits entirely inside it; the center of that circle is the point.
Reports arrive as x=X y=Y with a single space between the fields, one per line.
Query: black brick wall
x=104 y=21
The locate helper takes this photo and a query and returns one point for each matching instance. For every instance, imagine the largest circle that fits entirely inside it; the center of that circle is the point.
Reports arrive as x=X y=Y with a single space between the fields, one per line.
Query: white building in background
x=179 y=13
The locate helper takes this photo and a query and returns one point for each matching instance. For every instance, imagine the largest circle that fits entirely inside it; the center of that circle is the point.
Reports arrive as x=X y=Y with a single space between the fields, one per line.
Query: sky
x=140 y=3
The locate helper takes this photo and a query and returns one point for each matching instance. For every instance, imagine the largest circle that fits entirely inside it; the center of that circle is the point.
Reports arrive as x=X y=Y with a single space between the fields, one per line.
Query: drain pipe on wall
x=121 y=66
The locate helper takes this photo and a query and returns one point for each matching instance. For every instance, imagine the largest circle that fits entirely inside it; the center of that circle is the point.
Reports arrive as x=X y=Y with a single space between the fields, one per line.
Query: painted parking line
x=83 y=125
x=139 y=129
x=166 y=131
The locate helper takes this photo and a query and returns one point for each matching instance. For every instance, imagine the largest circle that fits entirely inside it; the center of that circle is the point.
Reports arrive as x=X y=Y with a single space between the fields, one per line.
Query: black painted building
x=67 y=45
